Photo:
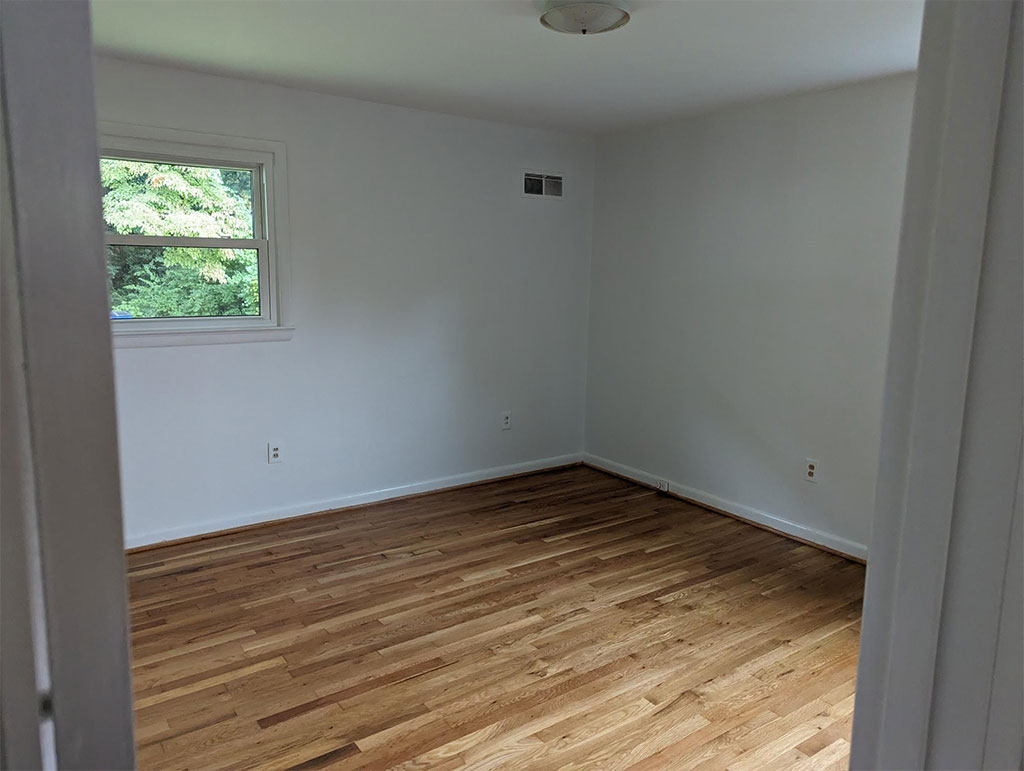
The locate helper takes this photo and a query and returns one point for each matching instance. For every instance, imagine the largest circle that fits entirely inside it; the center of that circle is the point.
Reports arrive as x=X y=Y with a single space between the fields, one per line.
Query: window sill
x=151 y=338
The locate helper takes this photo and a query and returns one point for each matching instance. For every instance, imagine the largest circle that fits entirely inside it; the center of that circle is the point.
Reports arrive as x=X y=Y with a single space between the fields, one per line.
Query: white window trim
x=127 y=140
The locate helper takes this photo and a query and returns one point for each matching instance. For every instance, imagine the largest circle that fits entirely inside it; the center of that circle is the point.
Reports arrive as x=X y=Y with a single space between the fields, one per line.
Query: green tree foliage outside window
x=165 y=199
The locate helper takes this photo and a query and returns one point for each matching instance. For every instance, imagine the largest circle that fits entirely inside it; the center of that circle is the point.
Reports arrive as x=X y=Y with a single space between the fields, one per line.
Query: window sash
x=259 y=200
x=266 y=282
x=116 y=239
x=262 y=243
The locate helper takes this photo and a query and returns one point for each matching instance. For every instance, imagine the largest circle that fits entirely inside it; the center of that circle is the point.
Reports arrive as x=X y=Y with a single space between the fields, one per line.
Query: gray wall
x=738 y=302
x=427 y=295
x=741 y=284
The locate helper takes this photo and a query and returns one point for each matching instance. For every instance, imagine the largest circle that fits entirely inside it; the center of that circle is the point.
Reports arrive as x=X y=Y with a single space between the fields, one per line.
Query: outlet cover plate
x=273 y=453
x=812 y=470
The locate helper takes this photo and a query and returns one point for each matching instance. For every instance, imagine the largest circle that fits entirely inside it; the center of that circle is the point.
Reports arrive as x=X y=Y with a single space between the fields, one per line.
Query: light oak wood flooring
x=565 y=619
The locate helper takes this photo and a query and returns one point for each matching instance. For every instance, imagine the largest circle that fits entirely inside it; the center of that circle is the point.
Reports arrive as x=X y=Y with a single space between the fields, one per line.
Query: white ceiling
x=492 y=59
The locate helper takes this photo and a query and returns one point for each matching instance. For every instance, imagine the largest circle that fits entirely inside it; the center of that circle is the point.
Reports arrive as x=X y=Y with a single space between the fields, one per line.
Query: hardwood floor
x=566 y=619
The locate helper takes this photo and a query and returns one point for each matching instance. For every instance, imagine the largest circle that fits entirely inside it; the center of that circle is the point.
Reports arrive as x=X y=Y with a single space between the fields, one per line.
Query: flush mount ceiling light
x=584 y=18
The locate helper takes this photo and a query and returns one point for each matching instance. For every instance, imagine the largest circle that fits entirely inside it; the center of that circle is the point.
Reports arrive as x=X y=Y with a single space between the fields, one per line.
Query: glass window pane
x=168 y=199
x=155 y=282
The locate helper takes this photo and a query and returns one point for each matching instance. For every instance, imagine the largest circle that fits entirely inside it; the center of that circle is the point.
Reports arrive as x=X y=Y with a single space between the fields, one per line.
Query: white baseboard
x=820 y=537
x=227 y=523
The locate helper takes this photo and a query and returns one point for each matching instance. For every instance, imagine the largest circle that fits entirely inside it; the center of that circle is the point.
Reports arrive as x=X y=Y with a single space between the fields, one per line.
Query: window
x=191 y=236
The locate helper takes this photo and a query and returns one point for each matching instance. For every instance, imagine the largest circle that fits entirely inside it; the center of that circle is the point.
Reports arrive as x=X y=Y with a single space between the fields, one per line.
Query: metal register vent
x=537 y=185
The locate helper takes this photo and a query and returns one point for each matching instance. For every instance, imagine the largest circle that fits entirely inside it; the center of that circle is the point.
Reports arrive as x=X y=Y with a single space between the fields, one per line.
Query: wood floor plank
x=563 y=619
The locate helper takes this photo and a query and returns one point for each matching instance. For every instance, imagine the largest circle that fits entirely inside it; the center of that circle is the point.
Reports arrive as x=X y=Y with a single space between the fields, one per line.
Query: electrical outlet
x=506 y=420
x=812 y=470
x=662 y=485
x=273 y=453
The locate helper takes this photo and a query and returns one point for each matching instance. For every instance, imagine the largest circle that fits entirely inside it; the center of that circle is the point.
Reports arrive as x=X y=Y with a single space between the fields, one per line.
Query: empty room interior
x=499 y=384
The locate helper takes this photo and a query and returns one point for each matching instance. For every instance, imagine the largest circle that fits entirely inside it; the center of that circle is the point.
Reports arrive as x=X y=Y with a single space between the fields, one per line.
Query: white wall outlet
x=506 y=420
x=812 y=470
x=662 y=485
x=273 y=452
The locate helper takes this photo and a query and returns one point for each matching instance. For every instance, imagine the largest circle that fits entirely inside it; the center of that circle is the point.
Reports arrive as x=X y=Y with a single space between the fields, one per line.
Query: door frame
x=935 y=527
x=61 y=358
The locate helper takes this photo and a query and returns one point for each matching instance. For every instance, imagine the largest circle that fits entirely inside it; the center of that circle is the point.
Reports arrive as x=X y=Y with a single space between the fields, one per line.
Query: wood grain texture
x=564 y=619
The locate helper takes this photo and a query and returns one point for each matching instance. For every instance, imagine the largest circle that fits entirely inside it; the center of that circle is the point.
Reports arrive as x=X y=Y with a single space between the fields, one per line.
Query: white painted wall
x=738 y=307
x=741 y=284
x=427 y=294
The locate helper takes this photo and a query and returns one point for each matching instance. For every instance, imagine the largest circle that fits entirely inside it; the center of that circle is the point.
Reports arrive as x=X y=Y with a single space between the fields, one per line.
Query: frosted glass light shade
x=584 y=18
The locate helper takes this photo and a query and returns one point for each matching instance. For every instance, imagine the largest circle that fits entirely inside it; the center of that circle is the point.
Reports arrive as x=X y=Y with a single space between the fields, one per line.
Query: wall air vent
x=540 y=185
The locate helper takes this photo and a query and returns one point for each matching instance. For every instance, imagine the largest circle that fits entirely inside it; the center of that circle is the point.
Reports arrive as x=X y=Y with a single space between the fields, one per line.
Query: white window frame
x=267 y=160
